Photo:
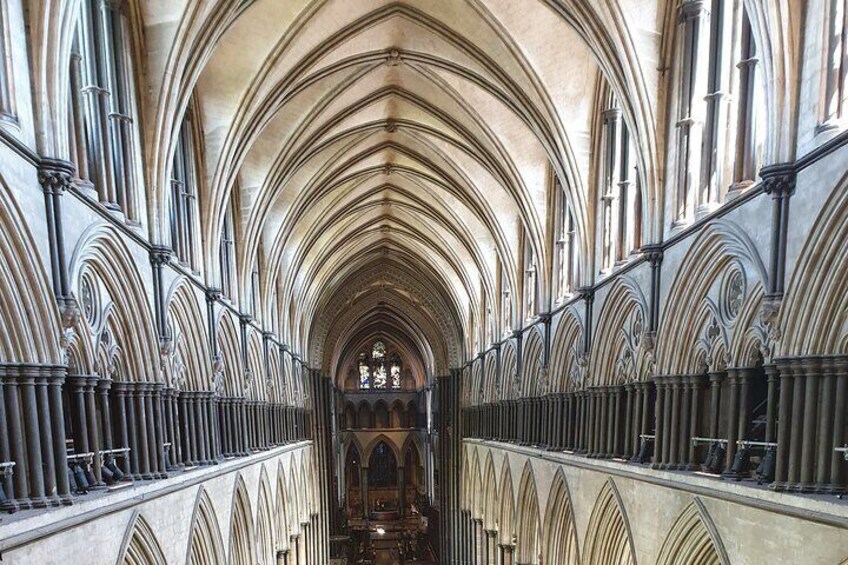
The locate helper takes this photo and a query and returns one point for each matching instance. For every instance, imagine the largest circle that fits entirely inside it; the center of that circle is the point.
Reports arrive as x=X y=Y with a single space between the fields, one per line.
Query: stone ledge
x=31 y=525
x=823 y=509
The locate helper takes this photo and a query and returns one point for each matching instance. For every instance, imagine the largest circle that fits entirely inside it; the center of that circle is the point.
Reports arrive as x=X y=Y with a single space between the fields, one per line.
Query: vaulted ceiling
x=389 y=156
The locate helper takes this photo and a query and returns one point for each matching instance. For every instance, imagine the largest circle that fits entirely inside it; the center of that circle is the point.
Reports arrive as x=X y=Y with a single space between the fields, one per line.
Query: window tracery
x=103 y=114
x=379 y=369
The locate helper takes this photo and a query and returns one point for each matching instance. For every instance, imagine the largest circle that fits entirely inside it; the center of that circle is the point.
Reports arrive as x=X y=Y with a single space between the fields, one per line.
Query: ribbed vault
x=392 y=162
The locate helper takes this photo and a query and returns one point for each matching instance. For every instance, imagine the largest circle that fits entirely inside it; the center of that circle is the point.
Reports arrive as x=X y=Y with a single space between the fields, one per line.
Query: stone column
x=715 y=403
x=363 y=489
x=103 y=387
x=129 y=462
x=694 y=418
x=808 y=447
x=93 y=428
x=16 y=439
x=784 y=409
x=840 y=374
x=142 y=431
x=56 y=409
x=686 y=421
x=661 y=433
x=33 y=441
x=732 y=417
x=797 y=419
x=45 y=426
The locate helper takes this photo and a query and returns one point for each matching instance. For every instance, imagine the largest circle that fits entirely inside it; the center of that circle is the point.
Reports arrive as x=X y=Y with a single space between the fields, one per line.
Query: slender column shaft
x=45 y=427
x=33 y=442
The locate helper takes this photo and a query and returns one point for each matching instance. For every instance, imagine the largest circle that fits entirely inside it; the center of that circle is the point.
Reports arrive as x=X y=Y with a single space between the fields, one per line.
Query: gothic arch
x=509 y=371
x=476 y=494
x=506 y=522
x=693 y=540
x=492 y=385
x=189 y=365
x=282 y=510
x=266 y=542
x=255 y=362
x=617 y=355
x=205 y=544
x=490 y=494
x=140 y=545
x=230 y=351
x=28 y=314
x=566 y=349
x=242 y=549
x=528 y=528
x=102 y=252
x=713 y=304
x=533 y=364
x=815 y=310
x=560 y=537
x=608 y=538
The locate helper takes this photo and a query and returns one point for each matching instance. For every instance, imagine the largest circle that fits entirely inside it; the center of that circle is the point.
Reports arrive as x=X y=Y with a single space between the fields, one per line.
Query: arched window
x=379 y=369
x=506 y=302
x=621 y=201
x=835 y=64
x=531 y=280
x=382 y=467
x=228 y=252
x=566 y=247
x=103 y=114
x=184 y=175
x=7 y=99
x=718 y=122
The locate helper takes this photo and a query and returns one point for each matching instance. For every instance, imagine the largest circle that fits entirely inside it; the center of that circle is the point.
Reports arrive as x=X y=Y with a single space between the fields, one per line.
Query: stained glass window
x=378 y=365
x=364 y=371
x=379 y=370
x=395 y=371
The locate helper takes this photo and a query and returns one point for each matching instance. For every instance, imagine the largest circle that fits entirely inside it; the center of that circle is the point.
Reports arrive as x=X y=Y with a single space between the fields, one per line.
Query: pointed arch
x=813 y=315
x=566 y=348
x=282 y=510
x=29 y=319
x=693 y=540
x=241 y=527
x=230 y=351
x=506 y=496
x=560 y=537
x=528 y=534
x=533 y=364
x=608 y=538
x=700 y=298
x=266 y=542
x=490 y=494
x=140 y=545
x=509 y=371
x=616 y=354
x=102 y=252
x=205 y=544
x=190 y=367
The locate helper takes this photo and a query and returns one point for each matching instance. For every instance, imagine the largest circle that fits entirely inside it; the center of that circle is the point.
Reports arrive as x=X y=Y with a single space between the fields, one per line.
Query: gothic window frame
x=104 y=138
x=834 y=88
x=368 y=362
x=184 y=208
x=8 y=102
x=718 y=93
x=227 y=252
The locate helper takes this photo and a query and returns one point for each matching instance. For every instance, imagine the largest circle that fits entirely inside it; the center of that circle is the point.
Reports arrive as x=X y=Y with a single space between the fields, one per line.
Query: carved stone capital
x=55 y=176
x=213 y=294
x=779 y=180
x=160 y=255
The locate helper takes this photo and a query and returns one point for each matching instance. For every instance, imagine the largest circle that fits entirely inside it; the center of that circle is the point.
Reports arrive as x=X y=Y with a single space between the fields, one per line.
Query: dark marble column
x=56 y=409
x=33 y=440
x=45 y=427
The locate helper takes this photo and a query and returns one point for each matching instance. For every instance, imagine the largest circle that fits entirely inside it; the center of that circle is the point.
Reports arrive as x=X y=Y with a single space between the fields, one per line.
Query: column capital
x=779 y=179
x=55 y=175
x=160 y=255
